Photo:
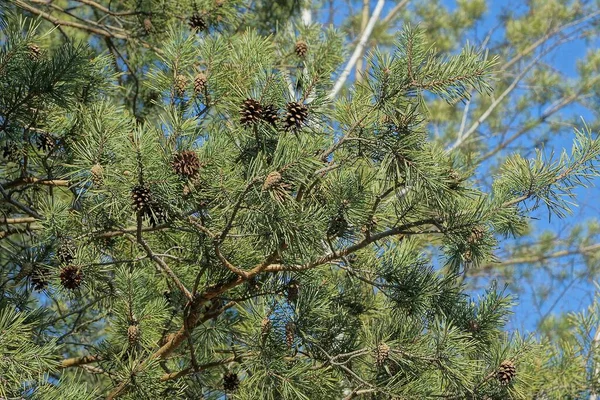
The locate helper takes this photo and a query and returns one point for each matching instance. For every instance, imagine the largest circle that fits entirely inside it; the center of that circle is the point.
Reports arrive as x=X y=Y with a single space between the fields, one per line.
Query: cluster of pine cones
x=252 y=112
x=70 y=274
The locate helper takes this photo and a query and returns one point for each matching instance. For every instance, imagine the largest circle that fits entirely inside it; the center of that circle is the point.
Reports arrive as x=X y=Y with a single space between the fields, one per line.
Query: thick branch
x=77 y=361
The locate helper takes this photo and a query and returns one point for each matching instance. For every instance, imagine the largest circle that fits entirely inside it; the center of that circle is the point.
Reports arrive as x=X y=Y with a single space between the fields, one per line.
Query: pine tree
x=298 y=264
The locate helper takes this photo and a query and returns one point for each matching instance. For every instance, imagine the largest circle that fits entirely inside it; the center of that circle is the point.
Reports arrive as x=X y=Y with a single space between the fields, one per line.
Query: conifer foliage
x=261 y=239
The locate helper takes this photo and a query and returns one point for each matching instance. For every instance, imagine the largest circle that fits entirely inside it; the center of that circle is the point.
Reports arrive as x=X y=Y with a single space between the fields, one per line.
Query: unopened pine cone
x=290 y=334
x=273 y=179
x=39 y=277
x=34 y=51
x=10 y=151
x=46 y=142
x=293 y=289
x=133 y=334
x=301 y=48
x=66 y=251
x=265 y=326
x=382 y=353
x=148 y=27
x=477 y=234
x=180 y=85
x=337 y=226
x=199 y=83
x=97 y=172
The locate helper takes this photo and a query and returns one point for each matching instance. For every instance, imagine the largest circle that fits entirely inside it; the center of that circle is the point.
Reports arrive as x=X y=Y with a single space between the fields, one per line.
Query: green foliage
x=292 y=263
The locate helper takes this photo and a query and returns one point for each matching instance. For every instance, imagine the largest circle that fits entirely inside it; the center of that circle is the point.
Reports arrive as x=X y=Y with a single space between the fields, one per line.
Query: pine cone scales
x=180 y=85
x=148 y=27
x=141 y=198
x=197 y=23
x=97 y=173
x=477 y=234
x=155 y=214
x=199 y=83
x=143 y=202
x=270 y=114
x=10 y=151
x=71 y=277
x=506 y=372
x=293 y=289
x=133 y=334
x=45 y=142
x=251 y=112
x=34 y=52
x=265 y=326
x=230 y=382
x=382 y=353
x=295 y=117
x=290 y=334
x=273 y=179
x=301 y=48
x=186 y=163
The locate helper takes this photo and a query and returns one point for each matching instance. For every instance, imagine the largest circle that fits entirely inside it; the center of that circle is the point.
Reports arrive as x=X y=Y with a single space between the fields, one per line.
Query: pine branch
x=357 y=51
x=164 y=268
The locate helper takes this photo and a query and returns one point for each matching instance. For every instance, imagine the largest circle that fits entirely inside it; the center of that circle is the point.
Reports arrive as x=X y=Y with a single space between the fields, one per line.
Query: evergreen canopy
x=226 y=226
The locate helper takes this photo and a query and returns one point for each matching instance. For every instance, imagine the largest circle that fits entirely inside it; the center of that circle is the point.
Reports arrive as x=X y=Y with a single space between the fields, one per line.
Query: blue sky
x=566 y=297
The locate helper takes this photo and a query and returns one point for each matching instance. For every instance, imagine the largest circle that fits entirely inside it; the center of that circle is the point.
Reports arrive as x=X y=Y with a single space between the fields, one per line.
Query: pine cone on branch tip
x=250 y=112
x=477 y=234
x=186 y=163
x=199 y=83
x=34 y=51
x=273 y=179
x=180 y=85
x=270 y=114
x=71 y=276
x=337 y=226
x=292 y=291
x=197 y=22
x=133 y=333
x=231 y=382
x=265 y=326
x=290 y=334
x=10 y=151
x=301 y=48
x=148 y=27
x=382 y=353
x=45 y=142
x=97 y=173
x=506 y=372
x=39 y=277
x=141 y=198
x=295 y=117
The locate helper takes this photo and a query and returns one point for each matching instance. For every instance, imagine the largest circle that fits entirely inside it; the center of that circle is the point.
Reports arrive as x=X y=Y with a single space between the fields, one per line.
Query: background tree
x=203 y=211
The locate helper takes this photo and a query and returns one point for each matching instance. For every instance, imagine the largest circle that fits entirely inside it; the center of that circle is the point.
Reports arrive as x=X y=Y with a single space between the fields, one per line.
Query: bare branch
x=358 y=50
